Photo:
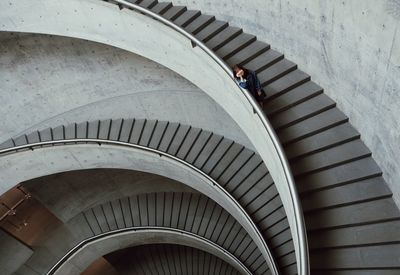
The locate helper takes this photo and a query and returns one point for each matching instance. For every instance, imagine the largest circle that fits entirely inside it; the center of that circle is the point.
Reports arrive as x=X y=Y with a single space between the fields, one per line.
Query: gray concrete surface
x=28 y=165
x=51 y=80
x=67 y=194
x=349 y=47
x=89 y=253
x=13 y=253
x=71 y=19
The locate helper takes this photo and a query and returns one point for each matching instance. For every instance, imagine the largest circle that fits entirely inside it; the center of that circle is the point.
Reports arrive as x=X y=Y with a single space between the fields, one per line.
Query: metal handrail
x=152 y=229
x=303 y=262
x=32 y=146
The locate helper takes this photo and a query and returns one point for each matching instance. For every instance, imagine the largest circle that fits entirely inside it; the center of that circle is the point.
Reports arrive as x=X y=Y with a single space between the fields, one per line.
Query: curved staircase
x=352 y=222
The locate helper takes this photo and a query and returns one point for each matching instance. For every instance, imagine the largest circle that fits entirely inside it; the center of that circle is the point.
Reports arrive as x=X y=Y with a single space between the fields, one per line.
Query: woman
x=248 y=80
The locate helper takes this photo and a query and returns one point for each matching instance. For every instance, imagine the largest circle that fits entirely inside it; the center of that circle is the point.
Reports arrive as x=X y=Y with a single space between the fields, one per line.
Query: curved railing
x=265 y=250
x=302 y=245
x=144 y=230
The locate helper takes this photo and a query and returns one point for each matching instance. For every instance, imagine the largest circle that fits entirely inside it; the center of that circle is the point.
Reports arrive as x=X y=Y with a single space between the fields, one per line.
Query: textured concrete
x=51 y=80
x=146 y=210
x=13 y=253
x=177 y=54
x=83 y=257
x=349 y=47
x=67 y=194
x=50 y=160
x=166 y=259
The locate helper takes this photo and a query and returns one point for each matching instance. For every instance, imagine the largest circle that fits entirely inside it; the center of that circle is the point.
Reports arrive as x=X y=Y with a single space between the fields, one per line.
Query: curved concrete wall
x=80 y=260
x=69 y=193
x=349 y=47
x=143 y=35
x=50 y=160
x=52 y=80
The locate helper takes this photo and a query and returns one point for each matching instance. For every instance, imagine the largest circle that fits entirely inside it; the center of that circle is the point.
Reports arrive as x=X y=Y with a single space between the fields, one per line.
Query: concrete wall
x=13 y=253
x=67 y=194
x=51 y=80
x=349 y=47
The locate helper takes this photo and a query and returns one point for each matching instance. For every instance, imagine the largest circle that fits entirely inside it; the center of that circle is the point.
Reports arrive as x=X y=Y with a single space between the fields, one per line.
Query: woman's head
x=239 y=71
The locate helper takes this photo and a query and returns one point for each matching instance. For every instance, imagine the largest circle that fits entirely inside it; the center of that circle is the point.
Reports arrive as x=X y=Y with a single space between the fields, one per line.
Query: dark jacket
x=253 y=85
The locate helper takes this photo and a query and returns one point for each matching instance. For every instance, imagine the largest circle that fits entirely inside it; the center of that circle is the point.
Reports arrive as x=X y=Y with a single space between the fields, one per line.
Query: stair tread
x=211 y=30
x=148 y=4
x=264 y=60
x=187 y=17
x=223 y=37
x=334 y=135
x=246 y=54
x=287 y=82
x=312 y=125
x=298 y=94
x=199 y=23
x=161 y=7
x=302 y=111
x=347 y=194
x=275 y=71
x=361 y=213
x=174 y=12
x=342 y=153
x=235 y=45
x=353 y=171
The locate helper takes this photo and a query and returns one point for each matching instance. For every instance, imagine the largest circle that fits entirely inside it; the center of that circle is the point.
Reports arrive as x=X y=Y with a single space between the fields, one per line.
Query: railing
x=147 y=230
x=261 y=241
x=303 y=257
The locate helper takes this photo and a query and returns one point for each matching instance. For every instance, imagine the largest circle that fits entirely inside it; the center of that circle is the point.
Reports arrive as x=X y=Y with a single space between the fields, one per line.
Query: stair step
x=187 y=144
x=347 y=194
x=276 y=71
x=352 y=215
x=287 y=83
x=225 y=36
x=199 y=23
x=178 y=139
x=258 y=183
x=284 y=249
x=339 y=175
x=379 y=259
x=235 y=167
x=207 y=150
x=217 y=155
x=334 y=156
x=186 y=18
x=311 y=126
x=329 y=138
x=147 y=132
x=244 y=176
x=196 y=149
x=369 y=234
x=294 y=97
x=168 y=136
x=211 y=30
x=235 y=45
x=287 y=260
x=277 y=229
x=263 y=61
x=280 y=239
x=162 y=7
x=302 y=111
x=248 y=53
x=158 y=134
x=174 y=12
x=148 y=4
x=229 y=156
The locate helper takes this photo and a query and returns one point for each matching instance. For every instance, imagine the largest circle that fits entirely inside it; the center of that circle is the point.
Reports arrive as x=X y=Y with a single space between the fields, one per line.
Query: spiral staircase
x=241 y=217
